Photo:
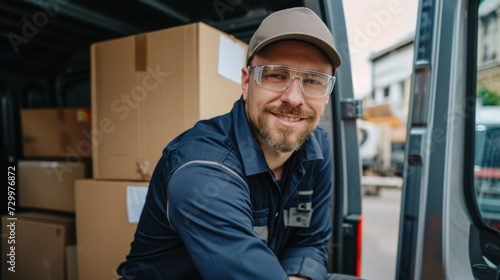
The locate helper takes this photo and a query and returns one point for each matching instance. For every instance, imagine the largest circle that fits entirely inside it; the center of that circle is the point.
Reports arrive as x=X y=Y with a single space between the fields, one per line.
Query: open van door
x=340 y=122
x=347 y=219
x=449 y=225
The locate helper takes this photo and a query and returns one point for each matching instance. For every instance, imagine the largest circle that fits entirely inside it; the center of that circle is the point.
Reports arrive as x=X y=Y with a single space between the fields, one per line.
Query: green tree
x=489 y=97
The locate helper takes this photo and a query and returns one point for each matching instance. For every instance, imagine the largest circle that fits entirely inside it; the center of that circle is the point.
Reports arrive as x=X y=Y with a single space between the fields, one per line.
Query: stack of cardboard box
x=146 y=90
x=41 y=230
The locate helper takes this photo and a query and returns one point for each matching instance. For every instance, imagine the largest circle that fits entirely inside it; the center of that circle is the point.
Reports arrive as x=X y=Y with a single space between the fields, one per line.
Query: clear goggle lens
x=279 y=78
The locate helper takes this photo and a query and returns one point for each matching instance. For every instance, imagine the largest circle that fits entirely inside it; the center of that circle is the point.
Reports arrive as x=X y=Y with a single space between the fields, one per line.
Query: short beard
x=280 y=144
x=278 y=140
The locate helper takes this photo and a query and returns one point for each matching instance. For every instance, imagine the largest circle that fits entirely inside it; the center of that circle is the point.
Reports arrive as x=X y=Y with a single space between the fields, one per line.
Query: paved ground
x=380 y=235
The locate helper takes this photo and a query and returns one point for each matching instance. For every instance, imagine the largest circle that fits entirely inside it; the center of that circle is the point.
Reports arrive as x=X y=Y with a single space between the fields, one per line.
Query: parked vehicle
x=487 y=164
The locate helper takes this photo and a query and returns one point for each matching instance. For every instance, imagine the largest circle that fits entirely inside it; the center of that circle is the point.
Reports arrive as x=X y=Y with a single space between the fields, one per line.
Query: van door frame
x=438 y=236
x=345 y=247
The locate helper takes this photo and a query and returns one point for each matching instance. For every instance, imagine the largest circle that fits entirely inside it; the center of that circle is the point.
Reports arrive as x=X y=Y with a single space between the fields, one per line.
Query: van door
x=340 y=122
x=449 y=225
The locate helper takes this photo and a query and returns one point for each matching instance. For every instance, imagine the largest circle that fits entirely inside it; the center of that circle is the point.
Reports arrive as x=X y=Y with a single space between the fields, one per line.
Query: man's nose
x=293 y=93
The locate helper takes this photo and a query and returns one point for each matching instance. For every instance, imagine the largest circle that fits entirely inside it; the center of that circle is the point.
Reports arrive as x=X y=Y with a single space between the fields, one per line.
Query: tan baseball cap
x=294 y=24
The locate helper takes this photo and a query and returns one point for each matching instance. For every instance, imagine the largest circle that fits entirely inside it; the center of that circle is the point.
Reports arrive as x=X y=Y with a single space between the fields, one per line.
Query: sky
x=373 y=25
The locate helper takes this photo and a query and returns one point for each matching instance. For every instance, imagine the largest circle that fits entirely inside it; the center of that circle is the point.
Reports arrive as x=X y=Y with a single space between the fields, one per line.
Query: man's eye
x=277 y=76
x=315 y=82
x=274 y=76
x=311 y=81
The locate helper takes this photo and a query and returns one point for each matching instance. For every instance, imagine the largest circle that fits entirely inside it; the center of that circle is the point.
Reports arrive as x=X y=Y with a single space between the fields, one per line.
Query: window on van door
x=487 y=135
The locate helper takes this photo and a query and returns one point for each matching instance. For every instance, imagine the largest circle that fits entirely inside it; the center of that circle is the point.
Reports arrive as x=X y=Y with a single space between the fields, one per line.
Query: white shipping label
x=136 y=197
x=231 y=59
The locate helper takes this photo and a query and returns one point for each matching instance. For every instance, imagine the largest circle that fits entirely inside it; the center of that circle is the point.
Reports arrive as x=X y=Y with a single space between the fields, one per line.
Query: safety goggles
x=279 y=78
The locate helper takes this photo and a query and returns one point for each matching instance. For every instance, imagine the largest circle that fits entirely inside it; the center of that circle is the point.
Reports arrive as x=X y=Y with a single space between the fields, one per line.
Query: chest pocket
x=301 y=215
x=260 y=222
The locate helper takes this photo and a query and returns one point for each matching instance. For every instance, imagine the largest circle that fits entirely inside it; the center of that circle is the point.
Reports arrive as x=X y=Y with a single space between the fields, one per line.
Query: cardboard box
x=149 y=88
x=104 y=232
x=50 y=185
x=56 y=132
x=34 y=246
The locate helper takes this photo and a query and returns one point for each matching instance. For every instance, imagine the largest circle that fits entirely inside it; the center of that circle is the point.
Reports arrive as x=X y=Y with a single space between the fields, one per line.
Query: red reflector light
x=494 y=224
x=360 y=238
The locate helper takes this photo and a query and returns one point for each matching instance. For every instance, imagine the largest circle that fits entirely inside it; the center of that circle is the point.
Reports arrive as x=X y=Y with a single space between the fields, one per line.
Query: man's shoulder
x=208 y=139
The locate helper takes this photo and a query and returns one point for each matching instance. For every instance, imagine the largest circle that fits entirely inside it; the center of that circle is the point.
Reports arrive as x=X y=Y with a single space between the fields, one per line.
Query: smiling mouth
x=288 y=115
x=289 y=119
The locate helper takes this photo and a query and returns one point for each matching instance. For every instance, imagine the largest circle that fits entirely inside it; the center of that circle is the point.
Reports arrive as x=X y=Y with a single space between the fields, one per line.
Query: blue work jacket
x=214 y=209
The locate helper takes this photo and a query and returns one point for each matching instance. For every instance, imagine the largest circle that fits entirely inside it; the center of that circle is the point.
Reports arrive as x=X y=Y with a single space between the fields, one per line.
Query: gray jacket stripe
x=202 y=162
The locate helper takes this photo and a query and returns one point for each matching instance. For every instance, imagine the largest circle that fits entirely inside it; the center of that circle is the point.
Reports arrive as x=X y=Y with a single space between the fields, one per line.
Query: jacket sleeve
x=209 y=207
x=306 y=253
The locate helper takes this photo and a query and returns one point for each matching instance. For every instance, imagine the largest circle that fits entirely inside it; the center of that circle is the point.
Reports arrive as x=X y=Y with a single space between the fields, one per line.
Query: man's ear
x=245 y=81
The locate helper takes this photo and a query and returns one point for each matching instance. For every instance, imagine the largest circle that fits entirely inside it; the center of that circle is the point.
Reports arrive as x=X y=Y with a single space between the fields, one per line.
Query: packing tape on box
x=61 y=116
x=143 y=170
x=141 y=59
x=64 y=139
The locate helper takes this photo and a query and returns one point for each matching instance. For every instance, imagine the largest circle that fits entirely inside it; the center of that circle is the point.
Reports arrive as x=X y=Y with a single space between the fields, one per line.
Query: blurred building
x=488 y=47
x=385 y=111
x=391 y=77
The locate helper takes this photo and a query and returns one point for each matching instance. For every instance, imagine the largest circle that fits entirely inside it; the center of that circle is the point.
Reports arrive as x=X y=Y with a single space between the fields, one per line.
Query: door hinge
x=351 y=109
x=348 y=229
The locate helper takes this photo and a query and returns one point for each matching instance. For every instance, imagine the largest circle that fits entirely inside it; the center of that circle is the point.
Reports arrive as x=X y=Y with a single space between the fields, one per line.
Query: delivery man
x=246 y=195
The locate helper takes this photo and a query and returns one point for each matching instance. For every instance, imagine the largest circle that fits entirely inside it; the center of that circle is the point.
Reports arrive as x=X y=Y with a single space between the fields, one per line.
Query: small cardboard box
x=149 y=88
x=103 y=226
x=56 y=132
x=34 y=246
x=50 y=185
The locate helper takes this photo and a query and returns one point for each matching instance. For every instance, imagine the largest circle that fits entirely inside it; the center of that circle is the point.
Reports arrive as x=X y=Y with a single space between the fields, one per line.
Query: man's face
x=284 y=120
